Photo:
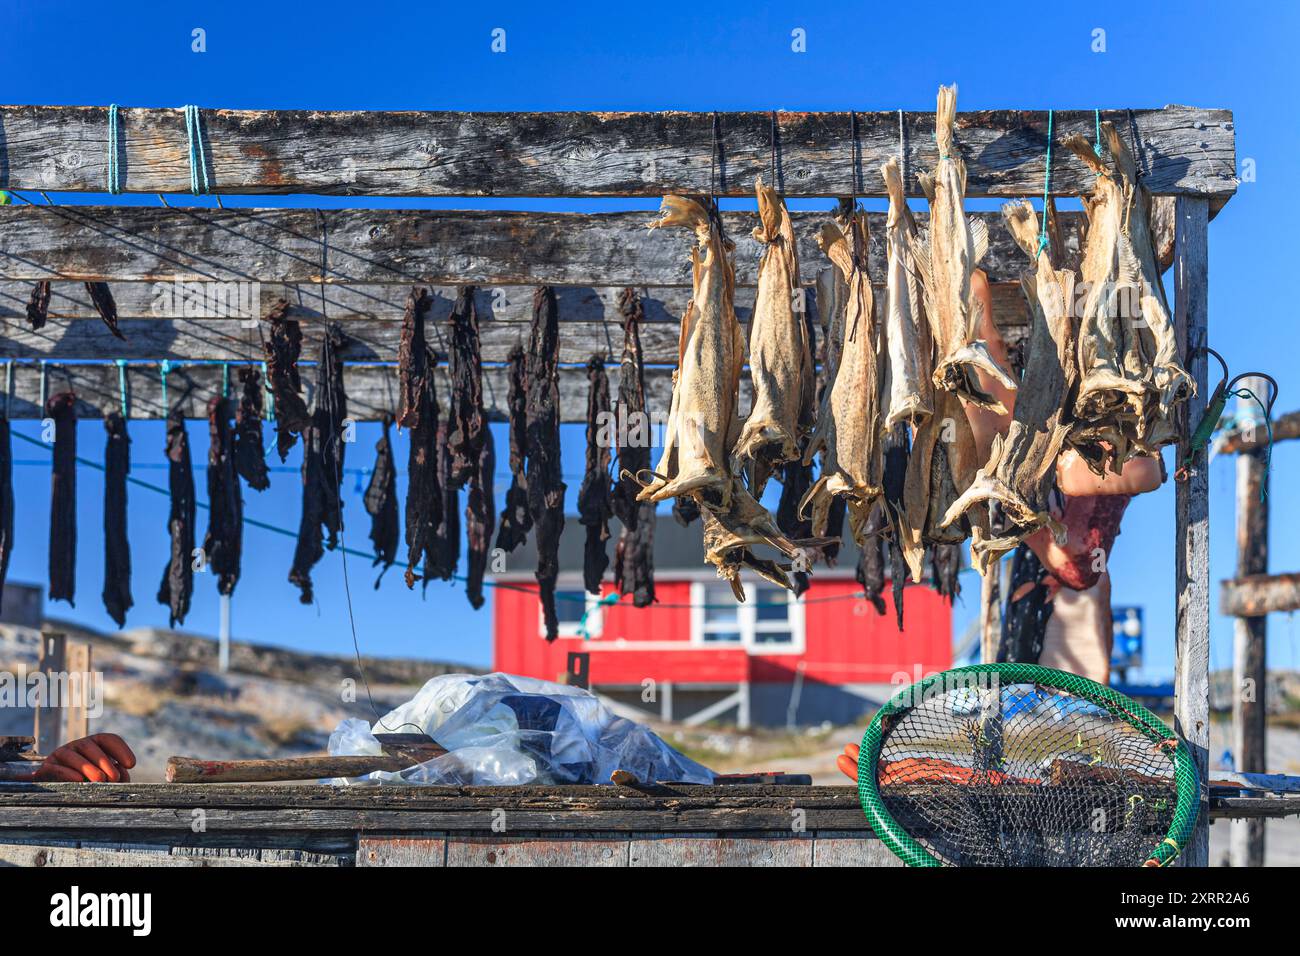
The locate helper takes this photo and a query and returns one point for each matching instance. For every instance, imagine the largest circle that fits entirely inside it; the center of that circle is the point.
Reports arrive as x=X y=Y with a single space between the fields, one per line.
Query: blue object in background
x=1126 y=652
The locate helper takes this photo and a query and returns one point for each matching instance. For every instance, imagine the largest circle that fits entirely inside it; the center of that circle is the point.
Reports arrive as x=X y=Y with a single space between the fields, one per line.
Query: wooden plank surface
x=1192 y=512
x=1182 y=150
x=401 y=850
x=1255 y=595
x=402 y=247
x=46 y=855
x=1285 y=428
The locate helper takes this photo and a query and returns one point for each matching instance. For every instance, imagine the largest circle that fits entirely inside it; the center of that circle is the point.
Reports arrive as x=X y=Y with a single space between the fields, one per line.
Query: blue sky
x=693 y=56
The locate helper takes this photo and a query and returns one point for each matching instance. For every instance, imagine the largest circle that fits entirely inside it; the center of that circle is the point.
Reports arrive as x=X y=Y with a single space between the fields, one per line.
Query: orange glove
x=847 y=762
x=99 y=758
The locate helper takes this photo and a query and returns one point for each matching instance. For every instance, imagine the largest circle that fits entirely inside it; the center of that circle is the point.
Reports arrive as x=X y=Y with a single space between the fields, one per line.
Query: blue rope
x=114 y=172
x=1096 y=148
x=270 y=395
x=1047 y=182
x=121 y=386
x=1268 y=427
x=163 y=370
x=225 y=379
x=199 y=182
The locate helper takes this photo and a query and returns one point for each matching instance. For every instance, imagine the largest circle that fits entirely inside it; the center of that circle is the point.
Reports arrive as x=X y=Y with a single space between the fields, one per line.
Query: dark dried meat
x=38 y=306
x=6 y=501
x=283 y=348
x=223 y=543
x=516 y=522
x=634 y=552
x=545 y=478
x=480 y=518
x=117 y=549
x=594 y=508
x=423 y=491
x=250 y=455
x=178 y=576
x=414 y=363
x=381 y=502
x=63 y=498
x=101 y=297
x=466 y=420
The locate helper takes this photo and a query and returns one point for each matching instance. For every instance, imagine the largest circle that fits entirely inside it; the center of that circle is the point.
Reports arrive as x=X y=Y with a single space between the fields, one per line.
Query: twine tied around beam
x=121 y=386
x=199 y=181
x=114 y=170
x=1047 y=183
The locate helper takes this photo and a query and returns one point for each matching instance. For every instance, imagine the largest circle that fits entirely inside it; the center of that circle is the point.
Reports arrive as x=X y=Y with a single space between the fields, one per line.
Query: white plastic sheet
x=500 y=729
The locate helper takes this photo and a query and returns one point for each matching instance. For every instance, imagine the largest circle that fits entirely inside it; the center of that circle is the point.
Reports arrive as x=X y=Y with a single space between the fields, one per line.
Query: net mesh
x=992 y=772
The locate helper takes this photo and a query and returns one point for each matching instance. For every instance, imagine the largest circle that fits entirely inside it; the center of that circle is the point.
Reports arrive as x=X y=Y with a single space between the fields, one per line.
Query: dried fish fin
x=731 y=533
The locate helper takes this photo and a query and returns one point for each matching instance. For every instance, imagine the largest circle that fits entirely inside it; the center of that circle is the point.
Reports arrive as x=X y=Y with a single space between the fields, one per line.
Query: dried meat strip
x=546 y=486
x=178 y=576
x=594 y=505
x=423 y=490
x=870 y=572
x=38 y=305
x=480 y=517
x=101 y=297
x=63 y=498
x=381 y=502
x=634 y=551
x=6 y=501
x=223 y=544
x=516 y=522
x=283 y=347
x=117 y=549
x=414 y=364
x=466 y=420
x=445 y=548
x=250 y=455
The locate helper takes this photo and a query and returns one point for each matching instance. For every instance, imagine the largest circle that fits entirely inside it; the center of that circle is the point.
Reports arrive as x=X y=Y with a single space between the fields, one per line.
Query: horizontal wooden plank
x=372 y=390
x=1285 y=428
x=1259 y=594
x=30 y=854
x=1182 y=150
x=403 y=247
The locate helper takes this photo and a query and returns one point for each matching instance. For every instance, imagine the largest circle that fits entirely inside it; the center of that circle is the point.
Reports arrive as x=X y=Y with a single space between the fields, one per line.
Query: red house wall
x=845 y=641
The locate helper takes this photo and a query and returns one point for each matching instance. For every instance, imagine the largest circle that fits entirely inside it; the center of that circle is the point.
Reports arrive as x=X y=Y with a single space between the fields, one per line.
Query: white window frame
x=747 y=623
x=595 y=615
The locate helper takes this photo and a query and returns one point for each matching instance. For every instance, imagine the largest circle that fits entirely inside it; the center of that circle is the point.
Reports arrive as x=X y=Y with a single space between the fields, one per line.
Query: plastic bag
x=500 y=729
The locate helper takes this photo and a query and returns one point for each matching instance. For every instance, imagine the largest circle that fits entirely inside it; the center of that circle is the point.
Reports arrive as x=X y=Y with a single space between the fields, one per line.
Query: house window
x=769 y=622
x=570 y=605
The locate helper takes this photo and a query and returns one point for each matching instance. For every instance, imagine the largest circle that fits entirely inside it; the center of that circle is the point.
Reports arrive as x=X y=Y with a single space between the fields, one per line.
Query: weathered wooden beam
x=1183 y=150
x=1254 y=595
x=372 y=390
x=1285 y=428
x=1250 y=636
x=1192 y=511
x=401 y=247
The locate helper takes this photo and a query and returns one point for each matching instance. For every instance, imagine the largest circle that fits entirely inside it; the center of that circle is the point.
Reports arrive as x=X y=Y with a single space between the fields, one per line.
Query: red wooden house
x=698 y=655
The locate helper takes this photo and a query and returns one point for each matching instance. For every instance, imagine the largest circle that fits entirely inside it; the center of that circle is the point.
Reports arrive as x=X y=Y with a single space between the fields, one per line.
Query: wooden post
x=1192 y=513
x=48 y=720
x=1250 y=634
x=990 y=614
x=76 y=709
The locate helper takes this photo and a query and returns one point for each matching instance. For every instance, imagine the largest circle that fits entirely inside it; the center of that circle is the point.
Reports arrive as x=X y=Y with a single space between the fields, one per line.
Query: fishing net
x=1020 y=765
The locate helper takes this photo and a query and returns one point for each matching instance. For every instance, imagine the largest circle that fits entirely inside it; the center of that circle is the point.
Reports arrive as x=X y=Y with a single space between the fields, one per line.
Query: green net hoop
x=1021 y=765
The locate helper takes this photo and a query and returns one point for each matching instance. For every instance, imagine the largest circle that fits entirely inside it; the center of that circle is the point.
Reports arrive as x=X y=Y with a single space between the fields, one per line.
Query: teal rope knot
x=164 y=370
x=611 y=598
x=121 y=385
x=199 y=182
x=114 y=170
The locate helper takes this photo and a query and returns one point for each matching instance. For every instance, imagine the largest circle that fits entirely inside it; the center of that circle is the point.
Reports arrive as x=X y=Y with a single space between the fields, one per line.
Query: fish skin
x=907 y=335
x=848 y=424
x=955 y=313
x=1020 y=474
x=780 y=357
x=1132 y=376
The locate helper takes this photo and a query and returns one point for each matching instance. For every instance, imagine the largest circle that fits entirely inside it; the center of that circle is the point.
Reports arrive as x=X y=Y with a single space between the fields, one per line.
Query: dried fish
x=945 y=567
x=796 y=479
x=1131 y=378
x=178 y=576
x=1029 y=608
x=423 y=490
x=702 y=420
x=101 y=297
x=907 y=334
x=634 y=552
x=250 y=456
x=848 y=425
x=480 y=517
x=516 y=522
x=594 y=506
x=6 y=501
x=955 y=246
x=870 y=572
x=414 y=362
x=465 y=418
x=223 y=544
x=545 y=478
x=63 y=498
x=38 y=306
x=1020 y=474
x=283 y=346
x=381 y=502
x=780 y=355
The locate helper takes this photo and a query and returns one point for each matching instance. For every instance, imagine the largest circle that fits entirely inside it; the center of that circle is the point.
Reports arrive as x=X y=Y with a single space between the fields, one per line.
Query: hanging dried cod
x=178 y=576
x=848 y=425
x=223 y=544
x=381 y=502
x=545 y=478
x=516 y=522
x=594 y=508
x=956 y=245
x=702 y=420
x=634 y=552
x=1021 y=471
x=62 y=408
x=1131 y=377
x=250 y=456
x=780 y=356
